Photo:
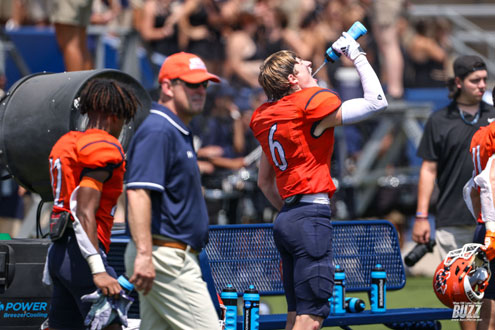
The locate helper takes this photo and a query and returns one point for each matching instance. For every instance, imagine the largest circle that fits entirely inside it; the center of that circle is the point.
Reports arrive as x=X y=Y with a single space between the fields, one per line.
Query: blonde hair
x=274 y=74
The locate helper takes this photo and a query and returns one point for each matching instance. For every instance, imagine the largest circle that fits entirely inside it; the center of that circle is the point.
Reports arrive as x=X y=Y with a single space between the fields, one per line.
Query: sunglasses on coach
x=191 y=85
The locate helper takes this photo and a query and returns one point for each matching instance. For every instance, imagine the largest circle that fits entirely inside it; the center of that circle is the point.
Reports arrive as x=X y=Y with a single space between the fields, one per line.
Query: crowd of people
x=233 y=37
x=196 y=136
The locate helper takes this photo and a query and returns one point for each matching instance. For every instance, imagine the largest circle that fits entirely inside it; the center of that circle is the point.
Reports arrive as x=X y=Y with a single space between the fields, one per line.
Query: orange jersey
x=482 y=148
x=284 y=130
x=78 y=152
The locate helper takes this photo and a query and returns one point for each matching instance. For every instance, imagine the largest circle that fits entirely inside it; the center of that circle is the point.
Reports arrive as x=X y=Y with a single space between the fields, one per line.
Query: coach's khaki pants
x=179 y=298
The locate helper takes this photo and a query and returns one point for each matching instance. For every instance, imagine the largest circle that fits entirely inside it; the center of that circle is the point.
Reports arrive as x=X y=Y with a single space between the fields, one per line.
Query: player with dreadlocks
x=87 y=171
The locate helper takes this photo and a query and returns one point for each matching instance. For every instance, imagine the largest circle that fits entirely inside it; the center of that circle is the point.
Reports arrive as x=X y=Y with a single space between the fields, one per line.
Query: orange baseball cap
x=187 y=67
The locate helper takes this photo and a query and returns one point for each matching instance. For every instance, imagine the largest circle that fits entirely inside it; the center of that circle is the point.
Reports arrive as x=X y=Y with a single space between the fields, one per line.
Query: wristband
x=490 y=226
x=421 y=215
x=96 y=264
x=235 y=114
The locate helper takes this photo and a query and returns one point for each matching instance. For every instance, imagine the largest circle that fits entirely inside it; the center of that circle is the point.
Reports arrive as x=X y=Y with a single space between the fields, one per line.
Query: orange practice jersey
x=284 y=130
x=72 y=155
x=482 y=148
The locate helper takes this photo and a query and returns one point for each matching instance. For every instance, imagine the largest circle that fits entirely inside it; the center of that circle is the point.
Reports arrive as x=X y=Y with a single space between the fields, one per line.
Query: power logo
x=22 y=312
x=24 y=306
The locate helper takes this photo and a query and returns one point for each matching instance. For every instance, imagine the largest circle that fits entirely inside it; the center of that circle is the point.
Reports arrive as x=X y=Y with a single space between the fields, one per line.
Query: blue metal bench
x=246 y=254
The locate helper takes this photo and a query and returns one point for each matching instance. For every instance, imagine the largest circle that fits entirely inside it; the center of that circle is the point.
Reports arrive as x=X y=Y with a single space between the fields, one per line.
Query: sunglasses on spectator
x=193 y=86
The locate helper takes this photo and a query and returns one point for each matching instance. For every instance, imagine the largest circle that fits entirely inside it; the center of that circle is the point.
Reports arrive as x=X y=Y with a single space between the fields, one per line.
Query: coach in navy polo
x=167 y=217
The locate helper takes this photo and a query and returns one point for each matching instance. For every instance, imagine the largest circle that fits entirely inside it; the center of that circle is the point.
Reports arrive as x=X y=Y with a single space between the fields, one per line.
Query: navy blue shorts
x=479 y=237
x=303 y=236
x=72 y=278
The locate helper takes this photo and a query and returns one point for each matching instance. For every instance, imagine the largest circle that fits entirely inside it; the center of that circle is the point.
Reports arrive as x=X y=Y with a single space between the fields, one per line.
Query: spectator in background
x=26 y=12
x=71 y=18
x=200 y=34
x=3 y=80
x=444 y=148
x=425 y=59
x=331 y=23
x=312 y=42
x=224 y=125
x=137 y=8
x=385 y=14
x=223 y=128
x=159 y=28
x=105 y=12
x=243 y=54
x=11 y=206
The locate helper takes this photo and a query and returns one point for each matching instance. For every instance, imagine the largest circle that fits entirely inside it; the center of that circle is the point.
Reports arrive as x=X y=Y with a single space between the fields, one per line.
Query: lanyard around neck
x=467 y=122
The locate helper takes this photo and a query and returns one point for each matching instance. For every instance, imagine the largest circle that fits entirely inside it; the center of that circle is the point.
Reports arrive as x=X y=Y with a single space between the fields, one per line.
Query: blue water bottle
x=125 y=284
x=354 y=305
x=229 y=298
x=356 y=31
x=337 y=302
x=378 y=289
x=251 y=309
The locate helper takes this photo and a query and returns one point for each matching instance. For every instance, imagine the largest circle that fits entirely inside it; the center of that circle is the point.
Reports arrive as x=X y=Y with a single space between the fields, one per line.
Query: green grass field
x=418 y=292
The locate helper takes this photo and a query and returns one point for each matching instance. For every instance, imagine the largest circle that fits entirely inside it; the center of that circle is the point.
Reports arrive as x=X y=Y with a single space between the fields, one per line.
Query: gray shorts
x=453 y=237
x=71 y=12
x=386 y=12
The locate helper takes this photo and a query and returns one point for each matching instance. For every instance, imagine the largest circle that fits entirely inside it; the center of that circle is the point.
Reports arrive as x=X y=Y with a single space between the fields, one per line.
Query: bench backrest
x=246 y=254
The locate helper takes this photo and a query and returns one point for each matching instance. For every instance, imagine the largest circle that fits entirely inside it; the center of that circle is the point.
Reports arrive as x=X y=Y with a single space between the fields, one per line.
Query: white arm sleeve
x=88 y=251
x=374 y=100
x=482 y=180
x=466 y=193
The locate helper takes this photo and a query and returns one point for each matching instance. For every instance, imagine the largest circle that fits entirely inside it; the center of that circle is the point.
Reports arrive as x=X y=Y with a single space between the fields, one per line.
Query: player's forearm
x=426 y=184
x=239 y=140
x=267 y=184
x=139 y=203
x=476 y=201
x=271 y=193
x=88 y=201
x=88 y=222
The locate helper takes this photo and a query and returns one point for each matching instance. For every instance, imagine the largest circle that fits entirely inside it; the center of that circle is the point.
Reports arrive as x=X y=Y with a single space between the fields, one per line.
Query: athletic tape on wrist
x=96 y=264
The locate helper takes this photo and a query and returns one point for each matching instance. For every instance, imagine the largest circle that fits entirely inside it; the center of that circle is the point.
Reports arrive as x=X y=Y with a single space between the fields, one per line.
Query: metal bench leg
x=345 y=327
